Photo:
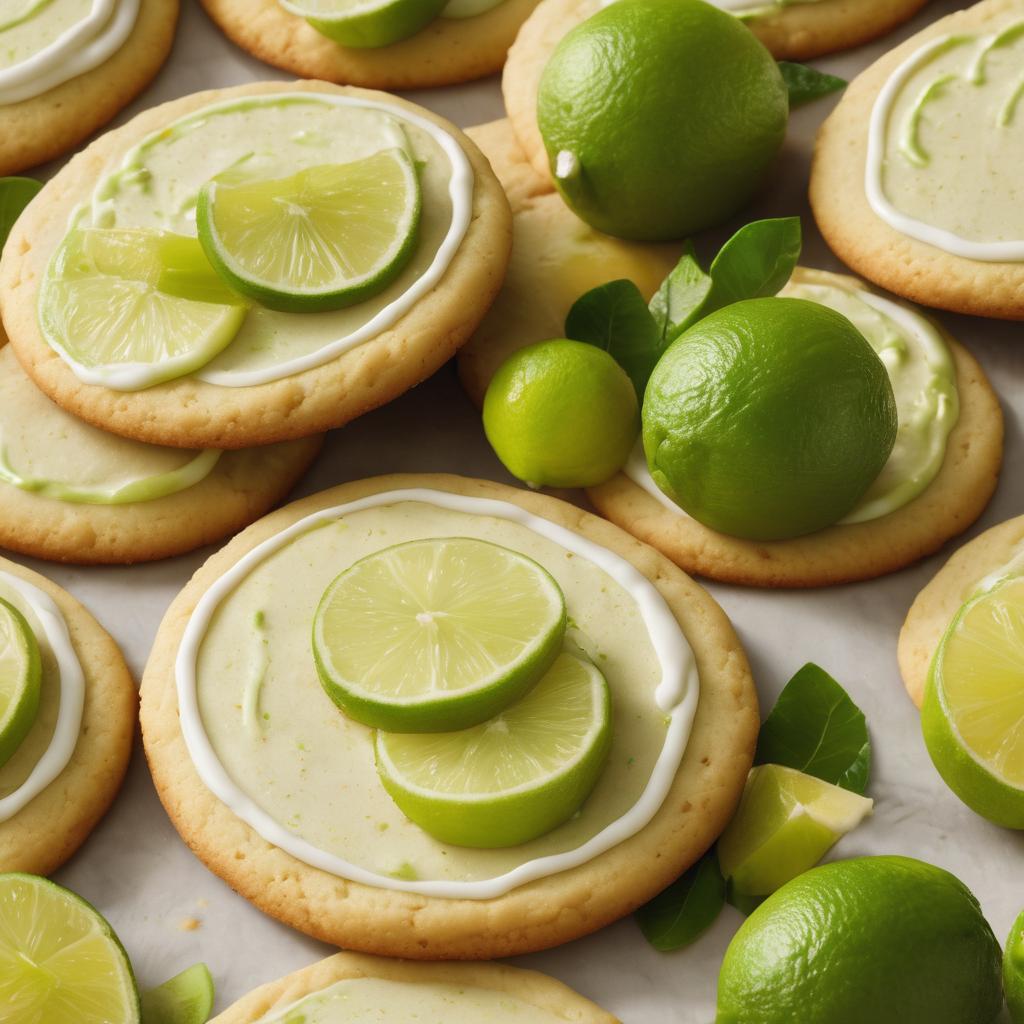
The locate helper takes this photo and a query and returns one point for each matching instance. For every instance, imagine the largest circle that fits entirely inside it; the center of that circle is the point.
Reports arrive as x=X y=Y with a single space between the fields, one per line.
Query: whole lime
x=1013 y=971
x=561 y=414
x=660 y=117
x=769 y=419
x=885 y=940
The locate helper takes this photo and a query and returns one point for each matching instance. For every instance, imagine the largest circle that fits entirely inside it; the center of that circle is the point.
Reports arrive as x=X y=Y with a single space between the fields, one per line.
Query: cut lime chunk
x=20 y=680
x=513 y=778
x=1013 y=971
x=60 y=962
x=786 y=822
x=322 y=239
x=438 y=634
x=973 y=712
x=132 y=308
x=366 y=23
x=187 y=998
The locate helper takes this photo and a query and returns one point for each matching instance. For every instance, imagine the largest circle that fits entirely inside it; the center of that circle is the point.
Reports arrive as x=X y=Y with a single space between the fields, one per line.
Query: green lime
x=366 y=23
x=322 y=239
x=785 y=823
x=437 y=634
x=20 y=680
x=769 y=419
x=132 y=308
x=660 y=117
x=885 y=940
x=561 y=414
x=60 y=962
x=513 y=778
x=187 y=998
x=973 y=712
x=1013 y=971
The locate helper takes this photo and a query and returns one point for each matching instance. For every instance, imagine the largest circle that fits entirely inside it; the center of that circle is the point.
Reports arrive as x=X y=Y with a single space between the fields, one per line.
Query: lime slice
x=325 y=238
x=513 y=778
x=468 y=8
x=20 y=679
x=786 y=822
x=1013 y=971
x=366 y=23
x=187 y=998
x=973 y=712
x=436 y=634
x=60 y=962
x=132 y=308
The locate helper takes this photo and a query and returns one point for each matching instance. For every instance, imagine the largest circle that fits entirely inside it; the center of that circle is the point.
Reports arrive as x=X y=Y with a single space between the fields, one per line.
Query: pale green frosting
x=33 y=25
x=757 y=8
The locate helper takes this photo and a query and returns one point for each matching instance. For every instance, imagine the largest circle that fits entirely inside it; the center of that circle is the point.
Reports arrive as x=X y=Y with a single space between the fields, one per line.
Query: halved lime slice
x=468 y=8
x=785 y=823
x=132 y=308
x=60 y=962
x=438 y=634
x=973 y=712
x=513 y=778
x=1013 y=971
x=366 y=23
x=20 y=679
x=187 y=998
x=324 y=238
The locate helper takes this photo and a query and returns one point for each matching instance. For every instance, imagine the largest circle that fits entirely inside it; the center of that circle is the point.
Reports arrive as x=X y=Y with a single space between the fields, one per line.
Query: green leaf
x=680 y=914
x=756 y=262
x=680 y=300
x=816 y=728
x=187 y=998
x=806 y=84
x=15 y=195
x=614 y=317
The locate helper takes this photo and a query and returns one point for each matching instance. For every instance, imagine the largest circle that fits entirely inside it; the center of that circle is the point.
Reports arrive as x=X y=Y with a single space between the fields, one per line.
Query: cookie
x=844 y=553
x=797 y=32
x=448 y=51
x=323 y=379
x=426 y=900
x=47 y=828
x=556 y=258
x=454 y=991
x=39 y=127
x=877 y=206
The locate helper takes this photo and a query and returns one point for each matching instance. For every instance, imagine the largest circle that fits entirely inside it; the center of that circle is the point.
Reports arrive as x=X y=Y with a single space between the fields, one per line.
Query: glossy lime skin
x=876 y=940
x=769 y=419
x=20 y=723
x=674 y=111
x=391 y=23
x=1013 y=971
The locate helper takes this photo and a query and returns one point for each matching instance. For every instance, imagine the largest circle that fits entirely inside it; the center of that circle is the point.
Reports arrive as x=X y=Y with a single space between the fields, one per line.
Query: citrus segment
x=20 y=680
x=187 y=998
x=366 y=23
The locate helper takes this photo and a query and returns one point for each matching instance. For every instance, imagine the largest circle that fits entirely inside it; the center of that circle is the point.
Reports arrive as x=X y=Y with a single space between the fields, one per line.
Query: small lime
x=20 y=680
x=187 y=998
x=1013 y=971
x=366 y=23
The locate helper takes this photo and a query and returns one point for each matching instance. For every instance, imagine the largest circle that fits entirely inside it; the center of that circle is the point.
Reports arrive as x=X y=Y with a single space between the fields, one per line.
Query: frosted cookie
x=468 y=40
x=276 y=790
x=915 y=172
x=68 y=66
x=65 y=771
x=350 y=987
x=556 y=258
x=167 y=377
x=938 y=480
x=791 y=30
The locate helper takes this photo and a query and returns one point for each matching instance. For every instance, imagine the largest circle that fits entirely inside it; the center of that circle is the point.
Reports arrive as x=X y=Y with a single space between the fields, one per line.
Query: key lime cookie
x=611 y=768
x=915 y=172
x=938 y=478
x=67 y=714
x=254 y=265
x=791 y=30
x=350 y=987
x=396 y=44
x=68 y=66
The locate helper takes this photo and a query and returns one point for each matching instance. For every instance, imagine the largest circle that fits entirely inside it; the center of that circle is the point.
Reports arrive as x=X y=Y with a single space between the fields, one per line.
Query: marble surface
x=170 y=911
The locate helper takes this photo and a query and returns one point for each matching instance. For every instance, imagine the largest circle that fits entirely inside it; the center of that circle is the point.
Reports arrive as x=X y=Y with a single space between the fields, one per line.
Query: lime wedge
x=322 y=239
x=973 y=712
x=132 y=308
x=60 y=962
x=514 y=777
x=20 y=680
x=438 y=634
x=785 y=823
x=187 y=998
x=366 y=23
x=1013 y=971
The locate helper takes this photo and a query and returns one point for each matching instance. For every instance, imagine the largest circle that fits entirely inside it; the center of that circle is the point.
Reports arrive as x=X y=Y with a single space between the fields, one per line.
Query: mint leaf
x=15 y=195
x=614 y=317
x=680 y=299
x=755 y=263
x=816 y=728
x=806 y=84
x=680 y=914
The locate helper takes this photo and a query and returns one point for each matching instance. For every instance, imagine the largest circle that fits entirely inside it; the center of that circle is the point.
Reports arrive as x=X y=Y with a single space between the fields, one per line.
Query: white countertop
x=138 y=872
